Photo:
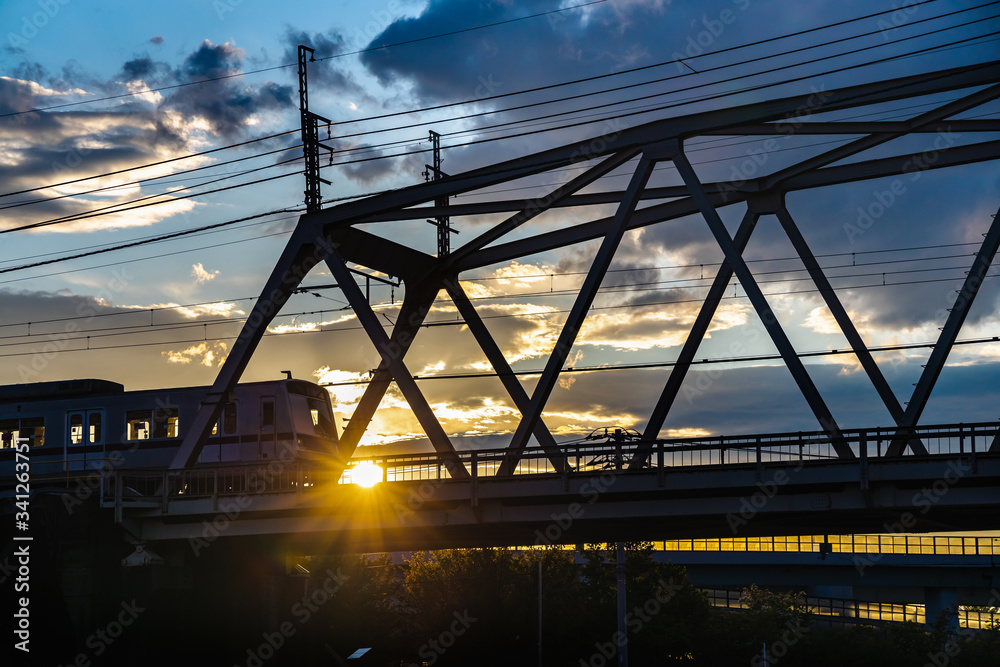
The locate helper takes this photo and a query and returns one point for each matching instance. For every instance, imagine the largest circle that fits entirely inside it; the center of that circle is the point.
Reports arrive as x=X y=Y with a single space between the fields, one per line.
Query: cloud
x=228 y=103
x=156 y=40
x=205 y=353
x=201 y=275
x=58 y=145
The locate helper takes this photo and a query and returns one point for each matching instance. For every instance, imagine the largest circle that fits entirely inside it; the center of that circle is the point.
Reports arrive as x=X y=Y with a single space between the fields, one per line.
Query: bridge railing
x=133 y=486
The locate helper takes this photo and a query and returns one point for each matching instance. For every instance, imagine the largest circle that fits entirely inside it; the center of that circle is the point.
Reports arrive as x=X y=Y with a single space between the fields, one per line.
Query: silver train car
x=82 y=425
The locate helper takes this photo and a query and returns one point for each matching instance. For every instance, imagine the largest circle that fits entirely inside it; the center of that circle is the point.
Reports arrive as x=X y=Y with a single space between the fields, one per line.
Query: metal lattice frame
x=329 y=236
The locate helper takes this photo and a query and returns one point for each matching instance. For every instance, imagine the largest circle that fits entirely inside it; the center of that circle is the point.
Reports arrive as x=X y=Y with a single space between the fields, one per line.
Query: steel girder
x=328 y=236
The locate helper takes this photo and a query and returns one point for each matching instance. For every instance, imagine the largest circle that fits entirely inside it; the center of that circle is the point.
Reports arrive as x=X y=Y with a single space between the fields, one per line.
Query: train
x=75 y=426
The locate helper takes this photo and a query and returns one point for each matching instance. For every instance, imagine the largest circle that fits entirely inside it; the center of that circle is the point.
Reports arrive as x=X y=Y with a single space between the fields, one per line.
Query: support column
x=938 y=603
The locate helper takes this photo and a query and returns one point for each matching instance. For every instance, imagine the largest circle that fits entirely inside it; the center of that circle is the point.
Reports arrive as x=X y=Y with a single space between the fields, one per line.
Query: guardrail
x=133 y=486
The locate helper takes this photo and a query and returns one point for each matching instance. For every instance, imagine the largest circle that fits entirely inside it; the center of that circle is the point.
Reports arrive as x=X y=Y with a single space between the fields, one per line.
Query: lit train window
x=12 y=430
x=165 y=423
x=320 y=419
x=76 y=429
x=146 y=424
x=95 y=427
x=138 y=424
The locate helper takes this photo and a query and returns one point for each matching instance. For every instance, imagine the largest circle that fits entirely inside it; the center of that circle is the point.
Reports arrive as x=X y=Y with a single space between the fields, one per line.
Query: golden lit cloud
x=201 y=275
x=205 y=353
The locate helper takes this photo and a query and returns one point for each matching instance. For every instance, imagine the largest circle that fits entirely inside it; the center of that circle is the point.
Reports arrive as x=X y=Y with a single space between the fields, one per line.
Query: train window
x=95 y=427
x=31 y=428
x=165 y=423
x=9 y=433
x=320 y=418
x=267 y=412
x=229 y=418
x=76 y=428
x=138 y=423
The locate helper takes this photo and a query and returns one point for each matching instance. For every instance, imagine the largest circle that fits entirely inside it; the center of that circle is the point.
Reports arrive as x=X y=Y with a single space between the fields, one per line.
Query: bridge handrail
x=126 y=486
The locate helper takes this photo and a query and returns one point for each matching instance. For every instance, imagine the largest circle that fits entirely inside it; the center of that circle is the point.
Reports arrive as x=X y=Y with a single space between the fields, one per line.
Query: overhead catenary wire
x=289 y=65
x=548 y=312
x=117 y=210
x=617 y=73
x=605 y=91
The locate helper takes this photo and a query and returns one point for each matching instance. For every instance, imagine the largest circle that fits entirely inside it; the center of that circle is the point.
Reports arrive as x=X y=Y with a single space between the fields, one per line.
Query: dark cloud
x=156 y=40
x=370 y=166
x=226 y=103
x=138 y=68
x=324 y=71
x=531 y=52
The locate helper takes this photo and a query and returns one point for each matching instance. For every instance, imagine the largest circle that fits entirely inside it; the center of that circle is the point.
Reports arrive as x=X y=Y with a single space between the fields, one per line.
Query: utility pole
x=622 y=628
x=310 y=135
x=434 y=173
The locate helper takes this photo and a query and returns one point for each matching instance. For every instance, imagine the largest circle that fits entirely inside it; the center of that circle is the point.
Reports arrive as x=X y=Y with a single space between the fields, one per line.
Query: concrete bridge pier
x=939 y=601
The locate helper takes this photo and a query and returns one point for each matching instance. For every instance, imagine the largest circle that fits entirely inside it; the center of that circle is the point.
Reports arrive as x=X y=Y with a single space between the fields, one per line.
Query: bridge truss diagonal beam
x=506 y=374
x=571 y=328
x=949 y=333
x=305 y=248
x=759 y=301
x=416 y=305
x=691 y=344
x=844 y=322
x=393 y=360
x=540 y=205
x=859 y=145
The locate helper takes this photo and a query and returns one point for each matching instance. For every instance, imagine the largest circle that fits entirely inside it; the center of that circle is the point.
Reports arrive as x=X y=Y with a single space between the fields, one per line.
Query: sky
x=98 y=102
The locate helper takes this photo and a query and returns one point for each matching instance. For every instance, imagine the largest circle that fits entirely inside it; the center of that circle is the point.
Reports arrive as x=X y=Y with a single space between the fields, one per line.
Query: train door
x=267 y=427
x=85 y=443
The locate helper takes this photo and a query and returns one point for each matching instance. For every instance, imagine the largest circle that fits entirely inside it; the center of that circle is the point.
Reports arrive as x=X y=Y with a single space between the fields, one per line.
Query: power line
x=277 y=67
x=758 y=87
x=151 y=164
x=672 y=267
x=549 y=313
x=631 y=70
x=663 y=79
x=593 y=78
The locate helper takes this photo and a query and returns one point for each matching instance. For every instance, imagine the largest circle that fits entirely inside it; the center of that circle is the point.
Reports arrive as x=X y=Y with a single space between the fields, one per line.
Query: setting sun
x=366 y=474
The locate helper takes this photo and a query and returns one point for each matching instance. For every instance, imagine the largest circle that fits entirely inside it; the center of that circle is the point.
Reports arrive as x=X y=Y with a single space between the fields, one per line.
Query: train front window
x=76 y=429
x=320 y=418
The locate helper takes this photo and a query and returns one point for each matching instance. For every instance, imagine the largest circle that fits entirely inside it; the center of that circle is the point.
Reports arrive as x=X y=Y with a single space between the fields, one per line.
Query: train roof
x=63 y=389
x=36 y=391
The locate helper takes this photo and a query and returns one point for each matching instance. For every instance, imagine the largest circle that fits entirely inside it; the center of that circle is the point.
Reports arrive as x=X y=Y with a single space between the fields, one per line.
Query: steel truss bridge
x=841 y=476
